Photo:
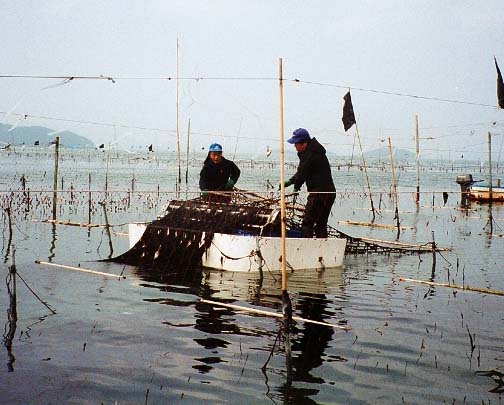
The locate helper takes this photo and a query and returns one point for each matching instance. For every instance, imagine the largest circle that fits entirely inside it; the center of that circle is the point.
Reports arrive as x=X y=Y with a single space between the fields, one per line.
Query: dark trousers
x=317 y=210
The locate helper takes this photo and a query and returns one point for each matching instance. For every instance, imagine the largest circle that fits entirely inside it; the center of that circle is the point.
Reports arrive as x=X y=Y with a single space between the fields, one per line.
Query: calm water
x=147 y=338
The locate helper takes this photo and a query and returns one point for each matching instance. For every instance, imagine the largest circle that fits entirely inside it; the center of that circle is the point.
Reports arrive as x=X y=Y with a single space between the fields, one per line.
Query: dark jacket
x=214 y=177
x=313 y=169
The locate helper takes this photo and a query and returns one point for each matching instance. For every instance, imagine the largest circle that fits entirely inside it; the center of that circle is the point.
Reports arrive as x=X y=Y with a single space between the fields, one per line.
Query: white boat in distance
x=253 y=253
x=477 y=190
x=481 y=192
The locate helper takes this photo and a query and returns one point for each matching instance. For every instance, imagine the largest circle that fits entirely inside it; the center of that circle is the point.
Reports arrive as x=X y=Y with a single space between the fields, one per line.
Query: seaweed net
x=181 y=236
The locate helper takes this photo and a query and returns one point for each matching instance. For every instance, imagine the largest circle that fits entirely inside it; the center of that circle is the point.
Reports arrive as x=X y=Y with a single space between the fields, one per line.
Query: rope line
x=113 y=79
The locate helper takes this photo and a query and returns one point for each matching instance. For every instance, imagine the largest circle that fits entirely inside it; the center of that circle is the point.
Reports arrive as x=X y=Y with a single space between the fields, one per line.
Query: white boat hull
x=482 y=193
x=252 y=253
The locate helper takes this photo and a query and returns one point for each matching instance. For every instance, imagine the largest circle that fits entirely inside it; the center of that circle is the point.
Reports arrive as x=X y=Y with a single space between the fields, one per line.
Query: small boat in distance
x=478 y=190
x=481 y=193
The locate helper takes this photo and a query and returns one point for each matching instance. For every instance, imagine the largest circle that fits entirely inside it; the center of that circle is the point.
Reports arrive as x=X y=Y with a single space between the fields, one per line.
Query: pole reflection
x=52 y=248
x=11 y=325
x=304 y=344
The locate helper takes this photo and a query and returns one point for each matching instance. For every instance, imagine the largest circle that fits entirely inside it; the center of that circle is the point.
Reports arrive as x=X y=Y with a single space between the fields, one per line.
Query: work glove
x=230 y=184
x=286 y=184
x=204 y=193
x=296 y=190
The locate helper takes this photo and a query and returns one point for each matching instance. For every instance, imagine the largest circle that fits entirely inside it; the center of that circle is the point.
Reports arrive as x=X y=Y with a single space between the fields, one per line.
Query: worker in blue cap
x=314 y=170
x=218 y=173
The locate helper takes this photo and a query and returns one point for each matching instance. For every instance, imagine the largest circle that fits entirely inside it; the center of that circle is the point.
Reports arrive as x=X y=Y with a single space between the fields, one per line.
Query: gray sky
x=433 y=49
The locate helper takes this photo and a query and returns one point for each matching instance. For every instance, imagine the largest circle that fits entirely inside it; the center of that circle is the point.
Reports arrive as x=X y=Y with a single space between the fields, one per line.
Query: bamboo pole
x=237 y=137
x=282 y=182
x=455 y=286
x=178 y=133
x=403 y=244
x=8 y=210
x=417 y=138
x=107 y=172
x=107 y=227
x=69 y=223
x=12 y=318
x=187 y=151
x=490 y=190
x=286 y=302
x=61 y=266
x=89 y=198
x=373 y=225
x=490 y=185
x=55 y=183
x=273 y=314
x=365 y=171
x=394 y=188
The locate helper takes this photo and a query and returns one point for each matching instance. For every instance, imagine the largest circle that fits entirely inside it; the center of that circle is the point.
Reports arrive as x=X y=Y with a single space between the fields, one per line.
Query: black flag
x=101 y=146
x=36 y=143
x=500 y=86
x=348 y=113
x=150 y=147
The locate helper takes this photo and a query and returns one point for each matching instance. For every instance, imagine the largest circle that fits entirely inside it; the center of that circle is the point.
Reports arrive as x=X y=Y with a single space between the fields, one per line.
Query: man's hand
x=204 y=193
x=286 y=184
x=230 y=184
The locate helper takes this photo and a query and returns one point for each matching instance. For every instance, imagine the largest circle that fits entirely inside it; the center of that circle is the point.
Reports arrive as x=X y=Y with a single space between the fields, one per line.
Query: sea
x=134 y=336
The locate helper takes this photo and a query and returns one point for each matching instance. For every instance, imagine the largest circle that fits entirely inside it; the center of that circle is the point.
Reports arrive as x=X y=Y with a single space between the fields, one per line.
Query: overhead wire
x=113 y=79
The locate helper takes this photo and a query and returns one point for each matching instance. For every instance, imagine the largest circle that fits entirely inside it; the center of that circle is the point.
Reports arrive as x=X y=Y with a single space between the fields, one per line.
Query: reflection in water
x=304 y=344
x=215 y=321
x=170 y=278
x=313 y=339
x=52 y=249
x=10 y=327
x=209 y=319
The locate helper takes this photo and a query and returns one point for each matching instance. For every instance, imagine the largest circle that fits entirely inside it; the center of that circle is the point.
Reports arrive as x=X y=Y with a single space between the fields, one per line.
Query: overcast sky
x=228 y=63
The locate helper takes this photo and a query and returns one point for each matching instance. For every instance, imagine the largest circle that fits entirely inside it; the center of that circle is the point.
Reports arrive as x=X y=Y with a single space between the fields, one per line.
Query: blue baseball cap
x=299 y=135
x=215 y=147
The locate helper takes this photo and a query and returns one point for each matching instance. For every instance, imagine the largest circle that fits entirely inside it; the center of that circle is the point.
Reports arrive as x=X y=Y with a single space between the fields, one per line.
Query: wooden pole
x=282 y=182
x=353 y=147
x=55 y=183
x=365 y=170
x=394 y=188
x=89 y=199
x=61 y=266
x=106 y=173
x=107 y=227
x=490 y=190
x=178 y=133
x=417 y=138
x=286 y=302
x=237 y=138
x=272 y=314
x=11 y=326
x=458 y=287
x=8 y=210
x=490 y=186
x=187 y=151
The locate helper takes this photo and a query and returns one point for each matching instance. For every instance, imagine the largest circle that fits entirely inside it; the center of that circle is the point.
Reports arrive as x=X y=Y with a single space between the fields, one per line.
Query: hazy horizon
x=109 y=72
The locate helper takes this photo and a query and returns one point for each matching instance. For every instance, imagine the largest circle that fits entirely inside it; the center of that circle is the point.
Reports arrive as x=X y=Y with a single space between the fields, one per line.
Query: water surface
x=147 y=338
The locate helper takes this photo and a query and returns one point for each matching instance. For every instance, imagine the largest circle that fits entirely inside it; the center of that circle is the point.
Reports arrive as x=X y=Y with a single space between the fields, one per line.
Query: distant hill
x=44 y=136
